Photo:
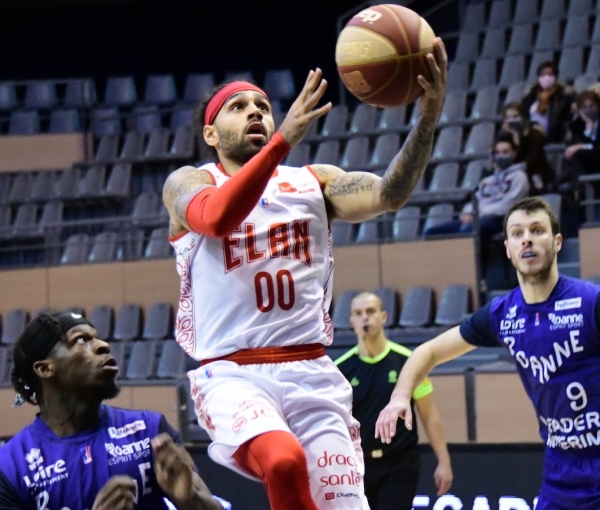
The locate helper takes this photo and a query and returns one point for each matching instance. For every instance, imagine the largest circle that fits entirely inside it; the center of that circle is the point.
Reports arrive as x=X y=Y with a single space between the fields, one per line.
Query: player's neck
x=537 y=289
x=229 y=166
x=66 y=415
x=372 y=346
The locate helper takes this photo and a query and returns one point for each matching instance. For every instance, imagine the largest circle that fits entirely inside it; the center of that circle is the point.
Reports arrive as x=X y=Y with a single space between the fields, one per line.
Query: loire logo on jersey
x=512 y=312
x=567 y=304
x=283 y=240
x=126 y=430
x=43 y=475
x=514 y=326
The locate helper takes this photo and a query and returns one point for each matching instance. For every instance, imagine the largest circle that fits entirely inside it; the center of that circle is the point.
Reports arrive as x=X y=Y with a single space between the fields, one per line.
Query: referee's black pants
x=391 y=481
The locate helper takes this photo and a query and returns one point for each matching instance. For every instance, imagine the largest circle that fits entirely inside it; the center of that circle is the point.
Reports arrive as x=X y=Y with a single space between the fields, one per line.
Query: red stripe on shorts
x=271 y=355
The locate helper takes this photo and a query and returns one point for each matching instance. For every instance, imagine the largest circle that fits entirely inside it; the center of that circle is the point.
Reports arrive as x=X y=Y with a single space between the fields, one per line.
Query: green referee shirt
x=372 y=381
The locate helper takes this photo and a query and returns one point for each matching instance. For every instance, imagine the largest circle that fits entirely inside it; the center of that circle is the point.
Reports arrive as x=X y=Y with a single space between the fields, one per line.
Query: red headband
x=220 y=98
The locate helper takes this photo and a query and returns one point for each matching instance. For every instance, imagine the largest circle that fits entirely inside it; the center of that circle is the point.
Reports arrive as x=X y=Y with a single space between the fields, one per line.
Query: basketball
x=381 y=51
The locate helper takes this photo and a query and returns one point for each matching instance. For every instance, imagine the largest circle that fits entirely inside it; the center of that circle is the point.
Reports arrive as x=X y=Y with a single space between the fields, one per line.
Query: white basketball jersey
x=266 y=284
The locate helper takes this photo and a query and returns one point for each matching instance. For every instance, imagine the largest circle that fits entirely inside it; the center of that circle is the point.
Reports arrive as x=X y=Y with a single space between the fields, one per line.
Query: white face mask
x=547 y=81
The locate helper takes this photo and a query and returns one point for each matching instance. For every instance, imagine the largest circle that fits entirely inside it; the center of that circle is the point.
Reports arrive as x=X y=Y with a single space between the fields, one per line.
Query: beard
x=104 y=391
x=540 y=275
x=235 y=148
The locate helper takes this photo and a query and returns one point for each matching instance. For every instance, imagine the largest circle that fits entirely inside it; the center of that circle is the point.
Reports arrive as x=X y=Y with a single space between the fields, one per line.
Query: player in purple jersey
x=550 y=325
x=81 y=454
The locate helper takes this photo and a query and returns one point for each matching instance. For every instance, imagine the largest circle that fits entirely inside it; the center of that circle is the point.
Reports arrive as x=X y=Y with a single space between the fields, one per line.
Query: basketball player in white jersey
x=254 y=254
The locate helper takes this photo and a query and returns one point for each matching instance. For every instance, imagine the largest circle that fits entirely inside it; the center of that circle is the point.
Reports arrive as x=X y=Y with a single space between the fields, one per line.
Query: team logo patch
x=567 y=304
x=86 y=453
x=126 y=430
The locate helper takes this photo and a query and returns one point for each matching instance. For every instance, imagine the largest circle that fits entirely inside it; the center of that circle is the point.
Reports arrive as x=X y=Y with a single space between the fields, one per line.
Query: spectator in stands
x=79 y=453
x=582 y=154
x=549 y=103
x=530 y=143
x=495 y=194
x=372 y=367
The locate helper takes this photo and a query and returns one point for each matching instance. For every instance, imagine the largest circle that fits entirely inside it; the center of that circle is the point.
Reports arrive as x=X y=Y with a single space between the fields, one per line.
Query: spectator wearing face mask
x=548 y=103
x=582 y=155
x=495 y=194
x=530 y=143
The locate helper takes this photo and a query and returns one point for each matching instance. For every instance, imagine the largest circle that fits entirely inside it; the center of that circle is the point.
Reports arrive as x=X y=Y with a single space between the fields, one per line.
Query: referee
x=372 y=368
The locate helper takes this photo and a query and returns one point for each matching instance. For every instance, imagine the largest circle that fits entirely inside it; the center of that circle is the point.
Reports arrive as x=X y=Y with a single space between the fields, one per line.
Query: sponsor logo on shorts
x=239 y=424
x=347 y=476
x=567 y=304
x=329 y=495
x=126 y=430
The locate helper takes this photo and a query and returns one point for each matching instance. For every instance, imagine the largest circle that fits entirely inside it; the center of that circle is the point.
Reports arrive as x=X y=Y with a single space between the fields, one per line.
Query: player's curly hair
x=209 y=154
x=23 y=378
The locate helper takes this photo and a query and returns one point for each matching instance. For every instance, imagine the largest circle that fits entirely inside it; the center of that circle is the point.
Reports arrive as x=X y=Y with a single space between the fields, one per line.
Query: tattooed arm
x=359 y=196
x=180 y=188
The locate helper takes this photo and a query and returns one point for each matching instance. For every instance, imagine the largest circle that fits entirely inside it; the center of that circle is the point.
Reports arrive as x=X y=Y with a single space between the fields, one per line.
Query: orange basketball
x=381 y=51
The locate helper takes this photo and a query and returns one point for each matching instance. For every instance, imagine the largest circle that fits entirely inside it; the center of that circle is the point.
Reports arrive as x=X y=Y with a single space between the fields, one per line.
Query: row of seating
x=122 y=91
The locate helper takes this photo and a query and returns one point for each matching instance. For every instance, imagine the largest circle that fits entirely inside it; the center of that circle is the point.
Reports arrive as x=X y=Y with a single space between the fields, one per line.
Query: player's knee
x=289 y=464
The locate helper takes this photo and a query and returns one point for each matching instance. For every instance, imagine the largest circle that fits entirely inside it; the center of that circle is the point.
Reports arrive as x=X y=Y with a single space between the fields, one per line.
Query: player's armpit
x=350 y=196
x=179 y=190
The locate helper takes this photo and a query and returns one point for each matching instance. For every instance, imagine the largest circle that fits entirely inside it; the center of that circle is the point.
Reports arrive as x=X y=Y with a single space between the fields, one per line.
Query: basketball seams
x=408 y=46
x=383 y=59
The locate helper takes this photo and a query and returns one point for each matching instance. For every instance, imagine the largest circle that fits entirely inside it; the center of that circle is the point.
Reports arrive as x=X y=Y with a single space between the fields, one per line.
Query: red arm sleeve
x=216 y=212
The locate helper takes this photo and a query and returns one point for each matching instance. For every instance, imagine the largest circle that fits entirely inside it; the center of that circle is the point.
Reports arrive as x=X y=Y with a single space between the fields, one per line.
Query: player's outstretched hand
x=117 y=494
x=443 y=478
x=435 y=89
x=385 y=428
x=302 y=113
x=174 y=468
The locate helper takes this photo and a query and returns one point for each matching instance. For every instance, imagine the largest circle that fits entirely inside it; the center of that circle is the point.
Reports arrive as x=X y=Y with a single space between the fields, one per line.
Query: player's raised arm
x=358 y=196
x=447 y=346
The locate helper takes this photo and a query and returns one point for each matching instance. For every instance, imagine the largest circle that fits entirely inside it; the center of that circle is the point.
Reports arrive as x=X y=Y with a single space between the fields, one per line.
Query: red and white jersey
x=266 y=284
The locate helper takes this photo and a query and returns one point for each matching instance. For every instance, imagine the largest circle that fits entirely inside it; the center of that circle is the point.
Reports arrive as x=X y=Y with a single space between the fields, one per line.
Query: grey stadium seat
x=593 y=63
x=526 y=11
x=513 y=70
x=356 y=154
x=548 y=36
x=25 y=223
x=76 y=250
x=454 y=108
x=448 y=143
x=341 y=310
x=92 y=183
x=486 y=104
x=160 y=89
x=453 y=305
x=133 y=147
x=23 y=123
x=145 y=118
x=392 y=119
x=584 y=82
x=107 y=149
x=171 y=363
x=118 y=182
x=342 y=233
x=555 y=202
x=484 y=74
x=197 y=85
x=158 y=145
x=40 y=94
x=363 y=119
x=437 y=214
x=181 y=117
x=239 y=75
x=552 y=9
x=494 y=44
x=8 y=96
x=80 y=93
x=279 y=84
x=474 y=19
x=105 y=121
x=142 y=361
x=335 y=122
x=514 y=94
x=480 y=140
x=536 y=59
x=299 y=155
x=102 y=317
x=596 y=31
x=406 y=224
x=14 y=324
x=390 y=302
x=145 y=210
x=20 y=190
x=369 y=232
x=67 y=184
x=521 y=40
x=183 y=143
x=445 y=177
x=158 y=246
x=467 y=49
x=570 y=65
x=579 y=7
x=104 y=248
x=473 y=173
x=458 y=76
x=120 y=91
x=128 y=322
x=500 y=15
x=117 y=351
x=576 y=32
x=159 y=322
x=417 y=308
x=328 y=153
x=386 y=147
x=64 y=121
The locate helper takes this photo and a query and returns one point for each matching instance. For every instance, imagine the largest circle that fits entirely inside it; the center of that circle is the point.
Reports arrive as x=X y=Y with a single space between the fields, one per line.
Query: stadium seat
x=480 y=140
x=117 y=351
x=142 y=361
x=552 y=9
x=406 y=224
x=417 y=308
x=42 y=187
x=363 y=120
x=525 y=12
x=513 y=70
x=160 y=89
x=239 y=75
x=392 y=119
x=64 y=121
x=4 y=366
x=445 y=177
x=171 y=363
x=484 y=74
x=576 y=32
x=158 y=246
x=92 y=183
x=500 y=16
x=386 y=147
x=369 y=232
x=119 y=181
x=128 y=322
x=473 y=173
x=486 y=104
x=76 y=250
x=40 y=95
x=20 y=190
x=24 y=123
x=570 y=65
x=102 y=317
x=437 y=214
x=8 y=96
x=474 y=17
x=494 y=43
x=514 y=94
x=105 y=121
x=120 y=91
x=454 y=107
x=299 y=155
x=133 y=146
x=145 y=118
x=14 y=324
x=555 y=202
x=341 y=310
x=467 y=49
x=521 y=40
x=328 y=153
x=108 y=146
x=356 y=154
x=80 y=93
x=67 y=184
x=104 y=247
x=25 y=222
x=584 y=82
x=593 y=61
x=579 y=7
x=181 y=117
x=5 y=222
x=458 y=76
x=334 y=124
x=158 y=145
x=182 y=147
x=342 y=233
x=569 y=251
x=390 y=303
x=448 y=143
x=52 y=216
x=548 y=35
x=196 y=86
x=453 y=305
x=145 y=210
x=279 y=84
x=159 y=322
